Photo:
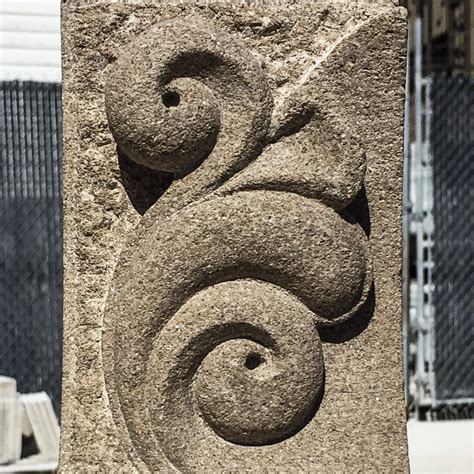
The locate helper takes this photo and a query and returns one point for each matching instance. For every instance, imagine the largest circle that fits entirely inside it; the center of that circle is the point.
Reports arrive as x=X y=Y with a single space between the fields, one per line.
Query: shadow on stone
x=144 y=186
x=353 y=327
x=358 y=211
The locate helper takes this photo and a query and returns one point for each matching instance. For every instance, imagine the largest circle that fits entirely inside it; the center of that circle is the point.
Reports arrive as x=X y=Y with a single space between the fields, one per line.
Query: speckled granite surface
x=233 y=197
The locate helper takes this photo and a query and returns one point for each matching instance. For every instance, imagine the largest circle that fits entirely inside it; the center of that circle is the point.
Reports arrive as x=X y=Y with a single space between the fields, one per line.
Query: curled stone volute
x=180 y=91
x=223 y=298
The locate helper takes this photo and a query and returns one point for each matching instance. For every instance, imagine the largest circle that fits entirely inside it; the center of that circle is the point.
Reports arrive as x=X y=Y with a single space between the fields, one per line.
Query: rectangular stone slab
x=233 y=202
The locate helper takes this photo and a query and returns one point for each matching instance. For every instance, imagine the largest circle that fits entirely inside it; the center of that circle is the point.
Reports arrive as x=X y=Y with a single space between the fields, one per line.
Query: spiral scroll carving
x=211 y=339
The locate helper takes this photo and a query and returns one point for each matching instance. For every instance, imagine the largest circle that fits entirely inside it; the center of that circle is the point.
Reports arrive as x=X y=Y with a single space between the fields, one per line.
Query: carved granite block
x=232 y=237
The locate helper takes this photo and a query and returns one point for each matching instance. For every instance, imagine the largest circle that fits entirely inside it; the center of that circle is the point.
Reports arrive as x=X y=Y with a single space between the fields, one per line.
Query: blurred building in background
x=31 y=196
x=439 y=205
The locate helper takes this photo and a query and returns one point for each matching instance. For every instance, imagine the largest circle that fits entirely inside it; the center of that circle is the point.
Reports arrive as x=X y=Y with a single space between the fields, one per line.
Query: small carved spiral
x=184 y=111
x=179 y=88
x=211 y=339
x=246 y=336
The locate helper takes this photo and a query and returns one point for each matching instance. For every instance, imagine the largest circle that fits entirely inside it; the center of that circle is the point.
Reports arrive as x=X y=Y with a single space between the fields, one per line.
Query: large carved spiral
x=211 y=339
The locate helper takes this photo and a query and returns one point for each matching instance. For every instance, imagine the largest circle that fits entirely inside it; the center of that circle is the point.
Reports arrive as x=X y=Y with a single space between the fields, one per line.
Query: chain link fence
x=452 y=147
x=31 y=239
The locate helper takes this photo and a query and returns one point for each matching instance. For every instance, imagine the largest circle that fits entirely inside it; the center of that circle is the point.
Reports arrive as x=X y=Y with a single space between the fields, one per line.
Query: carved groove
x=218 y=297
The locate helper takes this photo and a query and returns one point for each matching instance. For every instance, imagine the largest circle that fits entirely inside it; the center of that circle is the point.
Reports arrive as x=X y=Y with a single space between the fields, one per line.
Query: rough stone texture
x=232 y=237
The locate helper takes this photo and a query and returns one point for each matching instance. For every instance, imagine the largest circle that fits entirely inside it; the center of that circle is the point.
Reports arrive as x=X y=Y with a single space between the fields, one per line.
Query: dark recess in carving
x=144 y=186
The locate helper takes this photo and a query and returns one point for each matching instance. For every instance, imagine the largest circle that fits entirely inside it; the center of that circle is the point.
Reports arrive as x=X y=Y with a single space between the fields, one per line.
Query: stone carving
x=233 y=236
x=215 y=308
